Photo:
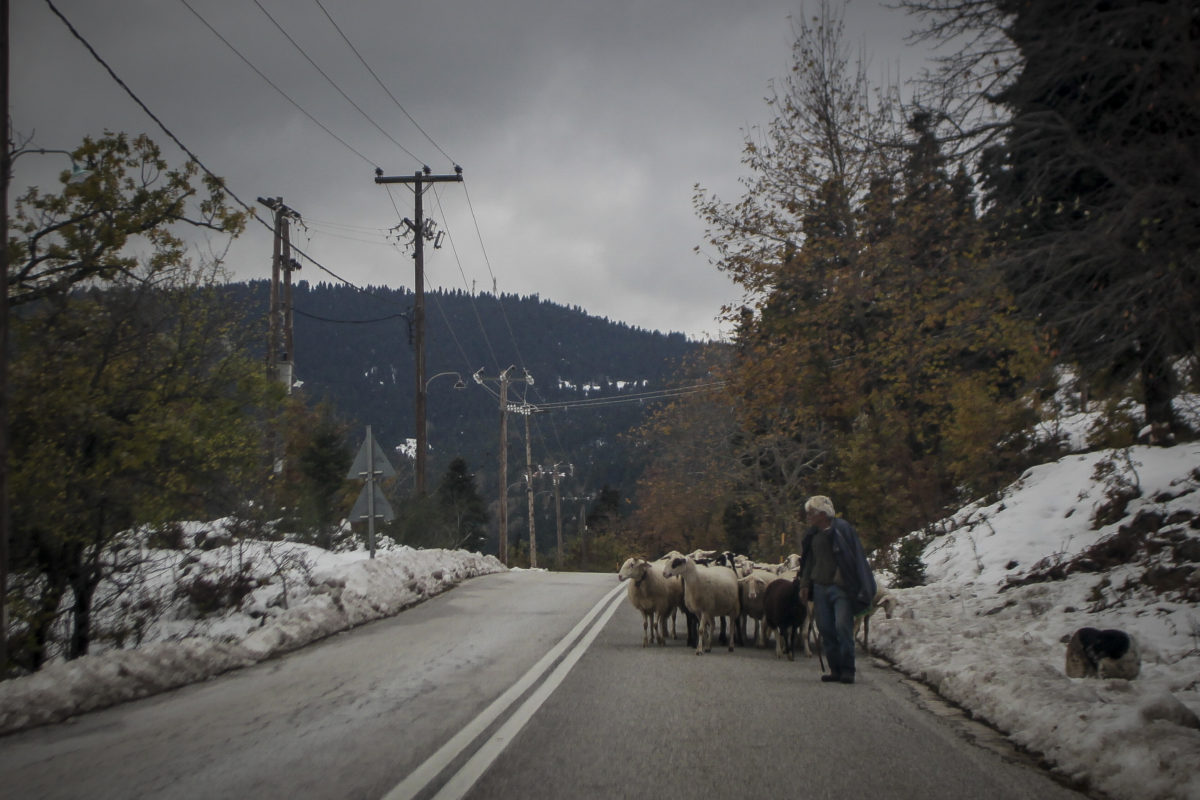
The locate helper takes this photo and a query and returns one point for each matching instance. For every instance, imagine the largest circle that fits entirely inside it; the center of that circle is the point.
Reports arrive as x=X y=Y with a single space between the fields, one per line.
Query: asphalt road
x=522 y=685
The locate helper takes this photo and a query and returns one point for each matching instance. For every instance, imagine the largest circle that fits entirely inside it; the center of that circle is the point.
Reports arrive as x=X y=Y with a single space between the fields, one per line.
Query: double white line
x=462 y=781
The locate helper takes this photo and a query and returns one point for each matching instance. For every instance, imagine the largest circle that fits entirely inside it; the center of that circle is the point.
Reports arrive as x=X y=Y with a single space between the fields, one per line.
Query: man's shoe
x=832 y=677
x=848 y=678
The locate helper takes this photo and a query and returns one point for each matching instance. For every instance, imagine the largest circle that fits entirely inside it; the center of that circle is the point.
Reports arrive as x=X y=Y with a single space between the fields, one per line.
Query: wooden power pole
x=420 y=232
x=280 y=357
x=504 y=380
x=528 y=412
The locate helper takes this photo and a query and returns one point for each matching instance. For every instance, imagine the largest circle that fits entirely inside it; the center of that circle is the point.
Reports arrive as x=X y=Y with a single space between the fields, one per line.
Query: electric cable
x=220 y=181
x=383 y=86
x=273 y=85
x=401 y=315
x=474 y=307
x=331 y=82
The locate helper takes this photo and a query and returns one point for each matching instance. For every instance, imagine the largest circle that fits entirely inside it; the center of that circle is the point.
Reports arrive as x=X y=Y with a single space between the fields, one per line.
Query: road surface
x=523 y=685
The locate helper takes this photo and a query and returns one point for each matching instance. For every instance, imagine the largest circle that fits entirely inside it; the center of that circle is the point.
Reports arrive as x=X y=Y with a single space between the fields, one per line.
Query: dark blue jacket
x=851 y=561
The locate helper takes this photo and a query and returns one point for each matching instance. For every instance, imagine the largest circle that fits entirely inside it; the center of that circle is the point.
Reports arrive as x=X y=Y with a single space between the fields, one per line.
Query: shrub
x=910 y=568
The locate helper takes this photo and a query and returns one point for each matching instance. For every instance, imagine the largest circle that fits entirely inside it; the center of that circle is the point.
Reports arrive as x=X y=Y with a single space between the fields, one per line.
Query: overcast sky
x=581 y=126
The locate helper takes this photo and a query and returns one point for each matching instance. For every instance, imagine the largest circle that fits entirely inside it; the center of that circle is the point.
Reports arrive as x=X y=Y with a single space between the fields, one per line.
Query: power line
x=641 y=397
x=325 y=75
x=350 y=321
x=495 y=288
x=220 y=181
x=272 y=84
x=474 y=307
x=318 y=223
x=381 y=83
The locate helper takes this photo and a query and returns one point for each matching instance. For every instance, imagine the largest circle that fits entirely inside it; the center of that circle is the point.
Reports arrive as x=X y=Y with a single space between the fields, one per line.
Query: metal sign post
x=369 y=463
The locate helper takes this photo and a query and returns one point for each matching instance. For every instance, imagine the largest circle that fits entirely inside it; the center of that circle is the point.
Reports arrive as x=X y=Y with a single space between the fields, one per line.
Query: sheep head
x=675 y=567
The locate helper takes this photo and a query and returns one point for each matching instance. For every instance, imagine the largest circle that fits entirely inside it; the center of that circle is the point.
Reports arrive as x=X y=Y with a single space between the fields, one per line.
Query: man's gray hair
x=820 y=503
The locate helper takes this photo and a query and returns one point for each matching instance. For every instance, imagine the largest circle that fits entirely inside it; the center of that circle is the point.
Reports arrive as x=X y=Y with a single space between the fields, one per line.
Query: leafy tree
x=133 y=399
x=607 y=508
x=871 y=300
x=124 y=221
x=791 y=243
x=691 y=470
x=740 y=524
x=943 y=348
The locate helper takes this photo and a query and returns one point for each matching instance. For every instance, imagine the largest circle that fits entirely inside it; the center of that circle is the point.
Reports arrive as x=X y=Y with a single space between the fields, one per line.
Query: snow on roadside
x=990 y=639
x=342 y=590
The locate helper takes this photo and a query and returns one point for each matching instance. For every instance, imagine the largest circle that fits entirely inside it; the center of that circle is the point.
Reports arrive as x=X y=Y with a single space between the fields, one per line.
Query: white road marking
x=462 y=781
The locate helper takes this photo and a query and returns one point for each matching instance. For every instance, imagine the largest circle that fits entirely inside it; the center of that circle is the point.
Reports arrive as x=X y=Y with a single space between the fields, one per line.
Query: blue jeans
x=835 y=622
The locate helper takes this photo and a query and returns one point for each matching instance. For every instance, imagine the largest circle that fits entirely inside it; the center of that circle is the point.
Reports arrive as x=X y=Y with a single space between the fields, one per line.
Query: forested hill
x=355 y=349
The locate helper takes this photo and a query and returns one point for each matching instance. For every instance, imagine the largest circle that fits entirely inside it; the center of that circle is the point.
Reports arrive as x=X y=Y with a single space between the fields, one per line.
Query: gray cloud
x=581 y=126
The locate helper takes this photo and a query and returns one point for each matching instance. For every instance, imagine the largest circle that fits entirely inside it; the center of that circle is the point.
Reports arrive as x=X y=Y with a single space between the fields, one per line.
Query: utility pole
x=503 y=542
x=5 y=168
x=289 y=340
x=504 y=380
x=279 y=316
x=557 y=477
x=420 y=232
x=583 y=559
x=527 y=410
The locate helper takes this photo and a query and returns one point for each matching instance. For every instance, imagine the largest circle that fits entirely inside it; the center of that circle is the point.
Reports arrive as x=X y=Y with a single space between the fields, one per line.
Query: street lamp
x=459 y=384
x=78 y=174
x=422 y=390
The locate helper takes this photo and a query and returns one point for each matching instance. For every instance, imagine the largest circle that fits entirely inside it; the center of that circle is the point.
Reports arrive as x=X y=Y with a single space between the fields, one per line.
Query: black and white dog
x=1093 y=653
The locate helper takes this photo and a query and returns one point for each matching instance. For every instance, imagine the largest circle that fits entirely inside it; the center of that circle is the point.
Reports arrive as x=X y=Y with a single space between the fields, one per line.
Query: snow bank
x=988 y=631
x=342 y=590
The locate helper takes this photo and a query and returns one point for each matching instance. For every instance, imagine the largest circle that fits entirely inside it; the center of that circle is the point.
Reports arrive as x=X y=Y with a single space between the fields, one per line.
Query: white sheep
x=655 y=595
x=863 y=621
x=709 y=592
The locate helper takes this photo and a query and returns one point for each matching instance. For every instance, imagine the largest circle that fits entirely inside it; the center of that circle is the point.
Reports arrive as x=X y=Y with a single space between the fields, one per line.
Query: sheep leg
x=662 y=629
x=647 y=625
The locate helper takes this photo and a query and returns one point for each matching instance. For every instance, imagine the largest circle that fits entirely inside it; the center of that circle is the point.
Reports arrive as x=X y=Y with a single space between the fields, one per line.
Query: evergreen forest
x=354 y=351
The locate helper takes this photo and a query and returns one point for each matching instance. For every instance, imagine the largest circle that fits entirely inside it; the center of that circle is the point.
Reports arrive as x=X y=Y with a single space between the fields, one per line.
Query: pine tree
x=1095 y=186
x=458 y=497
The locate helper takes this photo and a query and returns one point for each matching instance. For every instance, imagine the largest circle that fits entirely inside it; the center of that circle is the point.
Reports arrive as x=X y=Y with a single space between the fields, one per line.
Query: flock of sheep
x=707 y=586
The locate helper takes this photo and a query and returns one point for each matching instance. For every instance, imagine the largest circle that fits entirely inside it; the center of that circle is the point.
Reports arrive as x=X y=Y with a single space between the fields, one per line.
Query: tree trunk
x=1157 y=392
x=81 y=631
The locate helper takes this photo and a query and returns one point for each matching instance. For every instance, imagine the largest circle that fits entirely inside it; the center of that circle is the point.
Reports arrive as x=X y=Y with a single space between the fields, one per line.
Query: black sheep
x=783 y=611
